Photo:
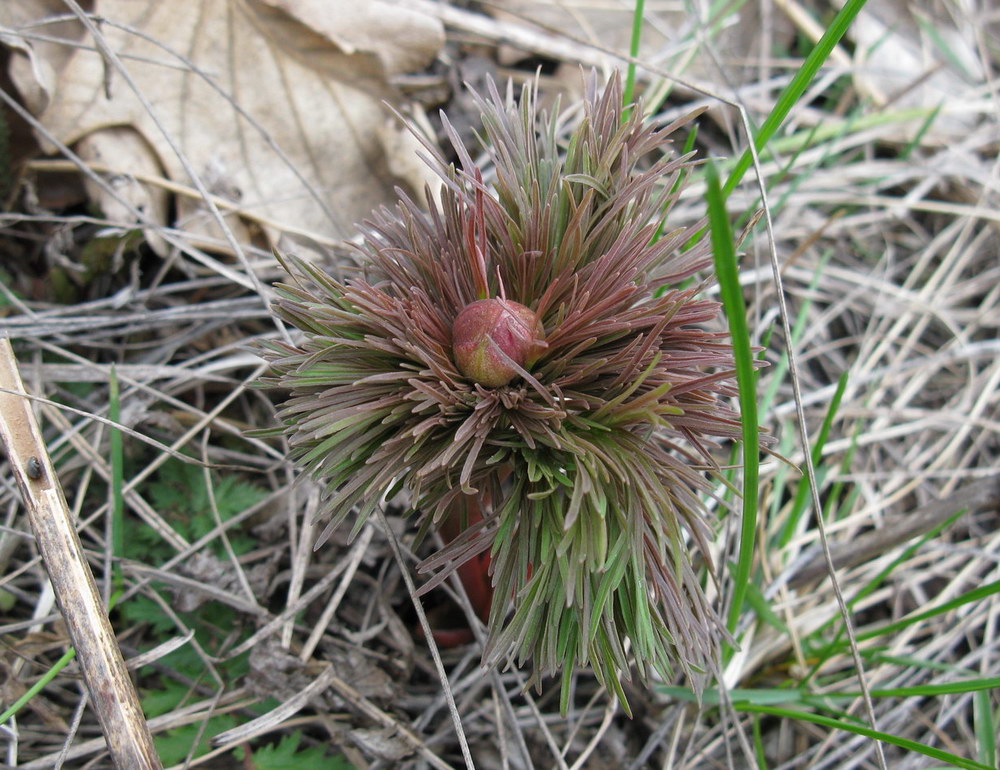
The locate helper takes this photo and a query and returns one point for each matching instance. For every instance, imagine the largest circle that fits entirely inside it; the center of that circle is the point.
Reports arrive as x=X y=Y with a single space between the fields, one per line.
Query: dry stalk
x=111 y=691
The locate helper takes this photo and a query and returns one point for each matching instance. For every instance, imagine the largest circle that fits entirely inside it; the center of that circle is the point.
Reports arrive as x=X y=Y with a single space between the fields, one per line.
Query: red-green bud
x=489 y=334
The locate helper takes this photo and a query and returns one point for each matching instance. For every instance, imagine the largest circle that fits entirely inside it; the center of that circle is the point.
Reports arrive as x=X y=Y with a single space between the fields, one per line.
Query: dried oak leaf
x=230 y=81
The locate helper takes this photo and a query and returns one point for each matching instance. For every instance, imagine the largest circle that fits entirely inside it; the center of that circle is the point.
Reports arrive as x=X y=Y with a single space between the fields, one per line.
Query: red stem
x=476 y=241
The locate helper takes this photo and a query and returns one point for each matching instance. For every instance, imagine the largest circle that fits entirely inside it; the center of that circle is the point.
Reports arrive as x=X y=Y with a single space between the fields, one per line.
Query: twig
x=269 y=721
x=236 y=700
x=429 y=636
x=373 y=712
x=609 y=713
x=111 y=690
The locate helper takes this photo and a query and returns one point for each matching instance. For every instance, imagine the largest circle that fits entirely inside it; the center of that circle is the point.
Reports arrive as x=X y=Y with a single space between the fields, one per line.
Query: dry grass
x=887 y=236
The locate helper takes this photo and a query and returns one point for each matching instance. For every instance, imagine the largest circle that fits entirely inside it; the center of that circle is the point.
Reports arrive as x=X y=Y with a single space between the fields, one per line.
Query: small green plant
x=286 y=755
x=528 y=345
x=180 y=492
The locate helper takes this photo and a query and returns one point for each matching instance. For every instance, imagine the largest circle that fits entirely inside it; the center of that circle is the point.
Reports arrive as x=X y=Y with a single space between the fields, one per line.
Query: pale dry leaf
x=366 y=677
x=275 y=672
x=607 y=24
x=36 y=59
x=123 y=147
x=230 y=80
x=404 y=159
x=672 y=36
x=399 y=36
x=383 y=743
x=914 y=61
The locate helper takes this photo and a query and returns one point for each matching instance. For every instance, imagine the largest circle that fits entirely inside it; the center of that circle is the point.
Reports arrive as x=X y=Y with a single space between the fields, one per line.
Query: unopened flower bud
x=490 y=335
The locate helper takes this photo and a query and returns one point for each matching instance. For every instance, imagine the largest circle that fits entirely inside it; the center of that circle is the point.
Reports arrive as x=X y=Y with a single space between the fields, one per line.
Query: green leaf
x=971 y=596
x=180 y=492
x=140 y=609
x=39 y=685
x=802 y=497
x=166 y=699
x=286 y=756
x=770 y=697
x=174 y=746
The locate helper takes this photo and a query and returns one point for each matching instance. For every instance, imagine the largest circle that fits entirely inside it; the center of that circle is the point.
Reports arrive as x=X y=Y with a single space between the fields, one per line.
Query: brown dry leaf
x=672 y=37
x=229 y=81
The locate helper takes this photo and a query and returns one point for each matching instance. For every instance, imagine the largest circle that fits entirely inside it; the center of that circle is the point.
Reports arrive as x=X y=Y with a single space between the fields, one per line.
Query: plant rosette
x=528 y=361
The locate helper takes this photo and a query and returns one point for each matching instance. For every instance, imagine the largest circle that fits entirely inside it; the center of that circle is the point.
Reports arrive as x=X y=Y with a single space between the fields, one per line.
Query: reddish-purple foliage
x=593 y=449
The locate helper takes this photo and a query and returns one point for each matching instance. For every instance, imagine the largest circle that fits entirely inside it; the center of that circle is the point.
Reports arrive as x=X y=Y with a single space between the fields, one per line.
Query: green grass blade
x=629 y=93
x=933 y=690
x=779 y=372
x=832 y=647
x=760 y=605
x=117 y=483
x=918 y=137
x=791 y=94
x=758 y=697
x=774 y=697
x=975 y=595
x=727 y=270
x=758 y=744
x=941 y=43
x=882 y=576
x=858 y=729
x=987 y=726
x=49 y=675
x=802 y=497
x=38 y=686
x=785 y=449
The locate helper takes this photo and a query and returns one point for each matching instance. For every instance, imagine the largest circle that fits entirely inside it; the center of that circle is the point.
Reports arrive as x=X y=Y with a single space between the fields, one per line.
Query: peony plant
x=527 y=360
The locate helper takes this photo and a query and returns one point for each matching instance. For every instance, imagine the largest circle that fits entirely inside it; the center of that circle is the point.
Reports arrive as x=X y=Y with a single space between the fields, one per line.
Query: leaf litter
x=887 y=232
